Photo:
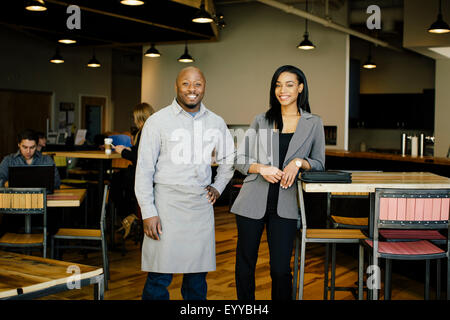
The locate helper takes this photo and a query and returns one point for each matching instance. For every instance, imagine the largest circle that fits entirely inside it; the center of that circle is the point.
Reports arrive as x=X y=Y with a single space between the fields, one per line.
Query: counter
x=387 y=156
x=348 y=160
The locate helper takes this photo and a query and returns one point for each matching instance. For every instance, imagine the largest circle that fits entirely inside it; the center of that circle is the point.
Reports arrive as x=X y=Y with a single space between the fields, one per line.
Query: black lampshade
x=202 y=16
x=306 y=44
x=369 y=64
x=439 y=26
x=35 y=5
x=152 y=52
x=94 y=63
x=185 y=57
x=57 y=58
x=132 y=2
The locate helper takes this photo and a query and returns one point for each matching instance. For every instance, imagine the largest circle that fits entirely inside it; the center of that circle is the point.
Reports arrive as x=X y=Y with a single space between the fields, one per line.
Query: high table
x=90 y=154
x=369 y=181
x=62 y=198
x=29 y=277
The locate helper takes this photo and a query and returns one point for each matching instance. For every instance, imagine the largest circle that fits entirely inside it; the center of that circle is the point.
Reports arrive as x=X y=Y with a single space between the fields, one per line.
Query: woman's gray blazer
x=260 y=145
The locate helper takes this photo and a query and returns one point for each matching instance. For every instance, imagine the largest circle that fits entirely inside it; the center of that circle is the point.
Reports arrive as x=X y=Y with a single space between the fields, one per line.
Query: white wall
x=442 y=111
x=239 y=67
x=25 y=66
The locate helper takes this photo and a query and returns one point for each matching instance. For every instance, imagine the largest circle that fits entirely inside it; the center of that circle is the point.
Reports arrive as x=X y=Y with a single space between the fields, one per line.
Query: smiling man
x=27 y=154
x=174 y=190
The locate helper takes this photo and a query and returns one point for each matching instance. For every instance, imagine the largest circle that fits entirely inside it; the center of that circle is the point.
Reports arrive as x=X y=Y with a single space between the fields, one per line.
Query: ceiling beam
x=119 y=16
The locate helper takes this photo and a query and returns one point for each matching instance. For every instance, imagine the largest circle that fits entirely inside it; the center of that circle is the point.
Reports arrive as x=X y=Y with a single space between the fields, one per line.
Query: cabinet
x=394 y=111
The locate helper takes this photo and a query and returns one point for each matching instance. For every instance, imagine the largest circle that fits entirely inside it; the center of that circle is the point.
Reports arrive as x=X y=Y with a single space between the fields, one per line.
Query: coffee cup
x=108 y=142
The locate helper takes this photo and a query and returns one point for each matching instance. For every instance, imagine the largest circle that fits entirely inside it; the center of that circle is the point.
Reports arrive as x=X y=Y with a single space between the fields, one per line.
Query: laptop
x=32 y=176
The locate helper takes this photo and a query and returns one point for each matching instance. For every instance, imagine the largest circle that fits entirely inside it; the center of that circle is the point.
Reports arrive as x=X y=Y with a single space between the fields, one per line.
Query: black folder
x=329 y=176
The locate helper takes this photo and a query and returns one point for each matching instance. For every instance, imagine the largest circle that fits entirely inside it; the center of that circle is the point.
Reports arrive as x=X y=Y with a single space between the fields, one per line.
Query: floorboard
x=127 y=280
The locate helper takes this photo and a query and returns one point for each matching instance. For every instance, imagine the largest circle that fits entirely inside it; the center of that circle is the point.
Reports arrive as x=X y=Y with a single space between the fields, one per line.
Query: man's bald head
x=190 y=69
x=190 y=88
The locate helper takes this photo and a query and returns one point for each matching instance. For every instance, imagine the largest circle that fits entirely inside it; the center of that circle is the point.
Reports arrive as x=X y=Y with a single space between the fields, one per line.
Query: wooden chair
x=340 y=222
x=26 y=202
x=421 y=211
x=86 y=235
x=325 y=236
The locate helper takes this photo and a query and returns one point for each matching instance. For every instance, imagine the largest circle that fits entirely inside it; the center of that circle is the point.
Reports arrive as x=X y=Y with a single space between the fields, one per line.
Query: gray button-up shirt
x=176 y=149
x=16 y=159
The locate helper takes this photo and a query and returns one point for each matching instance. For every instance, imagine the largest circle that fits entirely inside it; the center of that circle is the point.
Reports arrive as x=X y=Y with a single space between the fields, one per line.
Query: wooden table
x=28 y=277
x=369 y=181
x=66 y=198
x=90 y=154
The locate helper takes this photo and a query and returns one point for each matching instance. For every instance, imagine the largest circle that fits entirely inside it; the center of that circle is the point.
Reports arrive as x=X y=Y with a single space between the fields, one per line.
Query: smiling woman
x=288 y=139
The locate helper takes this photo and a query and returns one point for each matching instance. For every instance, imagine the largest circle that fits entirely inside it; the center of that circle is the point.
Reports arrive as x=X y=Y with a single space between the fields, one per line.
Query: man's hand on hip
x=152 y=227
x=212 y=194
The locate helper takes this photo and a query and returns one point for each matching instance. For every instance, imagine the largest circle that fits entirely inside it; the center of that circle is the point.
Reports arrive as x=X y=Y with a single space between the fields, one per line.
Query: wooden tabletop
x=31 y=274
x=90 y=154
x=369 y=181
x=66 y=198
x=387 y=156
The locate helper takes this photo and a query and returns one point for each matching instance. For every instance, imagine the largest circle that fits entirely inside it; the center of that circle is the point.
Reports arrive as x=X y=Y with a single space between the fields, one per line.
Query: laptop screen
x=33 y=176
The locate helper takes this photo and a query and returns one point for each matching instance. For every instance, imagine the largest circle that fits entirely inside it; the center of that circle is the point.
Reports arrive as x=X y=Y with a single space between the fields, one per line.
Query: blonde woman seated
x=140 y=114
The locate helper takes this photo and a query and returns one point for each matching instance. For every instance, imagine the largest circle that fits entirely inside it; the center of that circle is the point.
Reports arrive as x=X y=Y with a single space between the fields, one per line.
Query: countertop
x=387 y=156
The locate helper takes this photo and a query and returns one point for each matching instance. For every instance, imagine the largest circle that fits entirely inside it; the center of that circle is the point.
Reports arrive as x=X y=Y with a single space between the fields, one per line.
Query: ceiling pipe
x=327 y=23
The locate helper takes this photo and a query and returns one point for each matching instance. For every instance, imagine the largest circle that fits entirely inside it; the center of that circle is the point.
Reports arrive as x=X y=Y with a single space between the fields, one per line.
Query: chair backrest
x=26 y=202
x=414 y=209
x=23 y=200
x=104 y=207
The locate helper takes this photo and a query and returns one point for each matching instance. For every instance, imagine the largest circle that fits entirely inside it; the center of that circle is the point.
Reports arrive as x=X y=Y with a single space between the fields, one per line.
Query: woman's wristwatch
x=299 y=163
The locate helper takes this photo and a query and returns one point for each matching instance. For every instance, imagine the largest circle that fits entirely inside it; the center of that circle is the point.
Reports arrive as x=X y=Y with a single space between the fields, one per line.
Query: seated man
x=26 y=155
x=42 y=142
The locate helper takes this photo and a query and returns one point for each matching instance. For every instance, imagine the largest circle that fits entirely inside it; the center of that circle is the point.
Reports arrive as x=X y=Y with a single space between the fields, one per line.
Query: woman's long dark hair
x=273 y=115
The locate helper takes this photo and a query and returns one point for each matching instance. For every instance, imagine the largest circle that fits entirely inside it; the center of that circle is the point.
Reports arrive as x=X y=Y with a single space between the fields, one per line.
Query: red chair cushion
x=412 y=234
x=407 y=248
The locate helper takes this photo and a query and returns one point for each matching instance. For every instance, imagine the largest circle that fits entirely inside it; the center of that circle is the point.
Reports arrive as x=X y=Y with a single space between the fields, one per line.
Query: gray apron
x=187 y=242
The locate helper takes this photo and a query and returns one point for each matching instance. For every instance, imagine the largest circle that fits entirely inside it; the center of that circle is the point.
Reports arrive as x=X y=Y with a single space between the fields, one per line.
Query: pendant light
x=94 y=63
x=439 y=26
x=306 y=44
x=369 y=64
x=57 y=58
x=67 y=40
x=132 y=2
x=202 y=16
x=152 y=52
x=185 y=57
x=35 y=5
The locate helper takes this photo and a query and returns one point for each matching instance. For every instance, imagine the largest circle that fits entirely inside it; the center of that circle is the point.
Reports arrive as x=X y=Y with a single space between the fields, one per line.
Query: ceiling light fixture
x=94 y=63
x=439 y=26
x=219 y=20
x=202 y=16
x=57 y=58
x=185 y=57
x=35 y=5
x=306 y=44
x=132 y=2
x=369 y=64
x=152 y=52
x=67 y=41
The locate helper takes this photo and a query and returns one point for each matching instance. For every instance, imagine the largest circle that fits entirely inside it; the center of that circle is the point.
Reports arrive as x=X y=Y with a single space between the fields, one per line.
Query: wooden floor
x=127 y=280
